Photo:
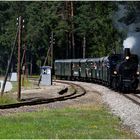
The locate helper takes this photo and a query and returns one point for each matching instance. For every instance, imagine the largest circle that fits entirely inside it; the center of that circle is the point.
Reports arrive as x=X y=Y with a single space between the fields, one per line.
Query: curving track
x=135 y=98
x=77 y=91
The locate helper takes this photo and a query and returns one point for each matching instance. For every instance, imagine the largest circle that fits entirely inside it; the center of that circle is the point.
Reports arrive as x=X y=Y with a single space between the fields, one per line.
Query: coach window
x=95 y=66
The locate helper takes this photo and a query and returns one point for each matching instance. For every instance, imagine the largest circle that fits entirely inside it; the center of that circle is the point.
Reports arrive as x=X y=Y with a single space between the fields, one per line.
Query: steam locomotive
x=117 y=71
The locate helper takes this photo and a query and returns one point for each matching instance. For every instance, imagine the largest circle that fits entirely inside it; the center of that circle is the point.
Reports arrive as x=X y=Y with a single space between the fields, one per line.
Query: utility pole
x=46 y=58
x=19 y=55
x=31 y=59
x=52 y=43
x=19 y=66
x=52 y=49
x=23 y=64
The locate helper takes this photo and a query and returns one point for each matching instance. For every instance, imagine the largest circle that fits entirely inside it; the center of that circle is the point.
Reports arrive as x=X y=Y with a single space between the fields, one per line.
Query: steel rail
x=37 y=101
x=132 y=97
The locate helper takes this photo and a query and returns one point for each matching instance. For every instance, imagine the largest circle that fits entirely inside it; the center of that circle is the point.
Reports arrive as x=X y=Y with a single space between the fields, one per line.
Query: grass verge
x=69 y=123
x=7 y=99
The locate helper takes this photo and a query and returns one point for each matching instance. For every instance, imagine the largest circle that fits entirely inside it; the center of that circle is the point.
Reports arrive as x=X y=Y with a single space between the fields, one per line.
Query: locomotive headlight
x=115 y=72
x=138 y=73
x=127 y=57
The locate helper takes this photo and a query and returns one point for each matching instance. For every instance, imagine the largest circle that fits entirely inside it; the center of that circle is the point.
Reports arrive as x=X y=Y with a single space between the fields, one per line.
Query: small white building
x=46 y=76
x=8 y=86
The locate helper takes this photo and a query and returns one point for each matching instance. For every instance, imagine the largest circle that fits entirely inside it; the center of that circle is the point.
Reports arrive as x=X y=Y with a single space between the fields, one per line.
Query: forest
x=80 y=29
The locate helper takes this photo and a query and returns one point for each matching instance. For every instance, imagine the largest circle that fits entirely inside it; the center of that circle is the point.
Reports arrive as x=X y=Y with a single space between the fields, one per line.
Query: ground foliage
x=86 y=122
x=92 y=20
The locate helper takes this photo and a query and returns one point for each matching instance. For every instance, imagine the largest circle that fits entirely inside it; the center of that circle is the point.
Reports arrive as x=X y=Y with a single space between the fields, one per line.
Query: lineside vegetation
x=86 y=122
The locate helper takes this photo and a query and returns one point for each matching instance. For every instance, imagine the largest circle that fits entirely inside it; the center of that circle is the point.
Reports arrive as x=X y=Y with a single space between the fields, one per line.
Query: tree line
x=81 y=29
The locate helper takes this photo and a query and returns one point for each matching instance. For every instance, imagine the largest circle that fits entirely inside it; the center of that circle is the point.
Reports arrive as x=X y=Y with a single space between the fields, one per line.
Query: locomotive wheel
x=117 y=84
x=114 y=86
x=135 y=84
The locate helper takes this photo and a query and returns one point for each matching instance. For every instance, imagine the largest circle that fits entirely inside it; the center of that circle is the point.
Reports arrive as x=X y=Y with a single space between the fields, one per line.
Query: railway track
x=77 y=91
x=135 y=98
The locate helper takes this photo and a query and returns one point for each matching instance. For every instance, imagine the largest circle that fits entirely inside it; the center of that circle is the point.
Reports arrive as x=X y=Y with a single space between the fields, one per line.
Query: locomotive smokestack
x=127 y=53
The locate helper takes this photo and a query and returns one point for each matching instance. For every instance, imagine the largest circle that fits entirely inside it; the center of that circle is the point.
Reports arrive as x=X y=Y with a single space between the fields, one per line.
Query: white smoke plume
x=132 y=40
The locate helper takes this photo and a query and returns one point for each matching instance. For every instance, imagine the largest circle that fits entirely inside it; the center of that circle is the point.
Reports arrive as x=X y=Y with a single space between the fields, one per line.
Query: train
x=116 y=71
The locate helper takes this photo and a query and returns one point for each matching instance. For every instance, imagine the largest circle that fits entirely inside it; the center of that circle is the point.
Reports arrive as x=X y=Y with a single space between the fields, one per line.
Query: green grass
x=7 y=99
x=14 y=89
x=27 y=84
x=34 y=76
x=69 y=123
